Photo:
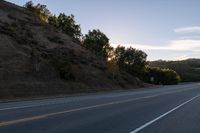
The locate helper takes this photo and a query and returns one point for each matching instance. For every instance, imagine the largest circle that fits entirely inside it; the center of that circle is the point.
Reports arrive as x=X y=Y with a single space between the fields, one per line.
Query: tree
x=67 y=24
x=131 y=60
x=119 y=56
x=29 y=5
x=39 y=10
x=112 y=69
x=53 y=20
x=97 y=42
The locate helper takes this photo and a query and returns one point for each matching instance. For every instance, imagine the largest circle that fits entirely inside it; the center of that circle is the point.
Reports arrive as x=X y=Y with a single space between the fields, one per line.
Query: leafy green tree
x=119 y=56
x=53 y=20
x=29 y=5
x=67 y=24
x=97 y=42
x=131 y=60
x=136 y=61
x=112 y=69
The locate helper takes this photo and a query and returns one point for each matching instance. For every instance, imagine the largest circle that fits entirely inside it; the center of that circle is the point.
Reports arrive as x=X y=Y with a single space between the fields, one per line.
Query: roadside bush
x=161 y=76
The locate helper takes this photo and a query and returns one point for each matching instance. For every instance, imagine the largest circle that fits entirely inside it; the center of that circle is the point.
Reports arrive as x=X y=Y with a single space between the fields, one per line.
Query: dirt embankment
x=34 y=57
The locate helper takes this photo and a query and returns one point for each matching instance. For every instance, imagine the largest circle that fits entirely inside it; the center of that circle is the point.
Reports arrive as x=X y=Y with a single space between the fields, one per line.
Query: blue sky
x=164 y=29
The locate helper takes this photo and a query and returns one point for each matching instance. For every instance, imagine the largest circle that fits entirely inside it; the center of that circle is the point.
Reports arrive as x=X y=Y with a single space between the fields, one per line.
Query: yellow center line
x=27 y=119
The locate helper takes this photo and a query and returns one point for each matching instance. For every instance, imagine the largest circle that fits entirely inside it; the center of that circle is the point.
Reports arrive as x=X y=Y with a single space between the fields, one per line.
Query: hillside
x=189 y=70
x=34 y=58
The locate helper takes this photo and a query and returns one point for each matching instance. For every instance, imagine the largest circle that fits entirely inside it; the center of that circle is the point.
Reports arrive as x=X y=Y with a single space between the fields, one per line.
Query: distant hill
x=189 y=69
x=34 y=56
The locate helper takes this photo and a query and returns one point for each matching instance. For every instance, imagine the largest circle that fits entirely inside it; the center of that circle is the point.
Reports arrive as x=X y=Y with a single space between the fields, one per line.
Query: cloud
x=141 y=46
x=179 y=49
x=183 y=57
x=193 y=29
x=175 y=45
x=185 y=45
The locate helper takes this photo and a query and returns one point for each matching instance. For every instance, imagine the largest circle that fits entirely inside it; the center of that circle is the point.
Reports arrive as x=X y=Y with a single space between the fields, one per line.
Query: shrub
x=161 y=76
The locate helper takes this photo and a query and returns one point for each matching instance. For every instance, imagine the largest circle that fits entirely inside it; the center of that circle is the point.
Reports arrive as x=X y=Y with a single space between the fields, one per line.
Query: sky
x=164 y=29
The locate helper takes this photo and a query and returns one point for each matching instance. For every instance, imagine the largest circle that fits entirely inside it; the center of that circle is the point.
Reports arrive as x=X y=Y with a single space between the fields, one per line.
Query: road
x=167 y=109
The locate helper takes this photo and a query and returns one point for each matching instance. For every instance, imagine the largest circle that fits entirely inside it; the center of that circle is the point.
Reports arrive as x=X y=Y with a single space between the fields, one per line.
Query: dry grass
x=38 y=60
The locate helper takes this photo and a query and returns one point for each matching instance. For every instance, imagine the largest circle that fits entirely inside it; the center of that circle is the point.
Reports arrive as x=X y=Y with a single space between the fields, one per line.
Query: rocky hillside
x=36 y=60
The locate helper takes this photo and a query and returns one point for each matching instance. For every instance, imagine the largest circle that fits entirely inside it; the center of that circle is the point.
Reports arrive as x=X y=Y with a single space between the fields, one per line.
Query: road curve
x=167 y=109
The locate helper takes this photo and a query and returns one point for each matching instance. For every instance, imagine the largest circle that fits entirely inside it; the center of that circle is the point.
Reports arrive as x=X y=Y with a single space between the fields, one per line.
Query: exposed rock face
x=32 y=52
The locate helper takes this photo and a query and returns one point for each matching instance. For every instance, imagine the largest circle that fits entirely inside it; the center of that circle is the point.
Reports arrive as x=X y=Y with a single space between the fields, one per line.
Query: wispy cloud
x=183 y=57
x=193 y=29
x=175 y=45
x=185 y=45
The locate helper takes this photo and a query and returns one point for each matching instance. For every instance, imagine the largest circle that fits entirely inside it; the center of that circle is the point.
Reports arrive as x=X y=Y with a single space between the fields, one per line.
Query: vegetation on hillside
x=67 y=24
x=131 y=60
x=189 y=70
x=163 y=76
x=119 y=60
x=39 y=10
x=97 y=42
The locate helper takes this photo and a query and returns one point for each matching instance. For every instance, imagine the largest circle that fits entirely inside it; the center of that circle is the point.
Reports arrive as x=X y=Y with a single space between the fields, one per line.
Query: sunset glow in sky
x=164 y=29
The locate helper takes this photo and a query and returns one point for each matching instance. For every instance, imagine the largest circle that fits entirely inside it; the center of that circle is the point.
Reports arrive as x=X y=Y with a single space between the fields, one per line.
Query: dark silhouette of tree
x=39 y=10
x=67 y=24
x=112 y=69
x=53 y=20
x=98 y=42
x=119 y=56
x=131 y=60
x=29 y=5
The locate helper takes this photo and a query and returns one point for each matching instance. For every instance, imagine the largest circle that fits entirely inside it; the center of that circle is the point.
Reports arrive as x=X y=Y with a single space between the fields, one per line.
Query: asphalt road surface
x=167 y=109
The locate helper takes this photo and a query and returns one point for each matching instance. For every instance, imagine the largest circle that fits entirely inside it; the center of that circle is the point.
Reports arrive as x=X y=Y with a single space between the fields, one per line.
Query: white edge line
x=161 y=116
x=30 y=106
x=5 y=123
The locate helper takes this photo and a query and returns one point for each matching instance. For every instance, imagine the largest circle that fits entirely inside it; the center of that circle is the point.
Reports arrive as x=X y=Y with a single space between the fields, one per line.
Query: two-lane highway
x=168 y=109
